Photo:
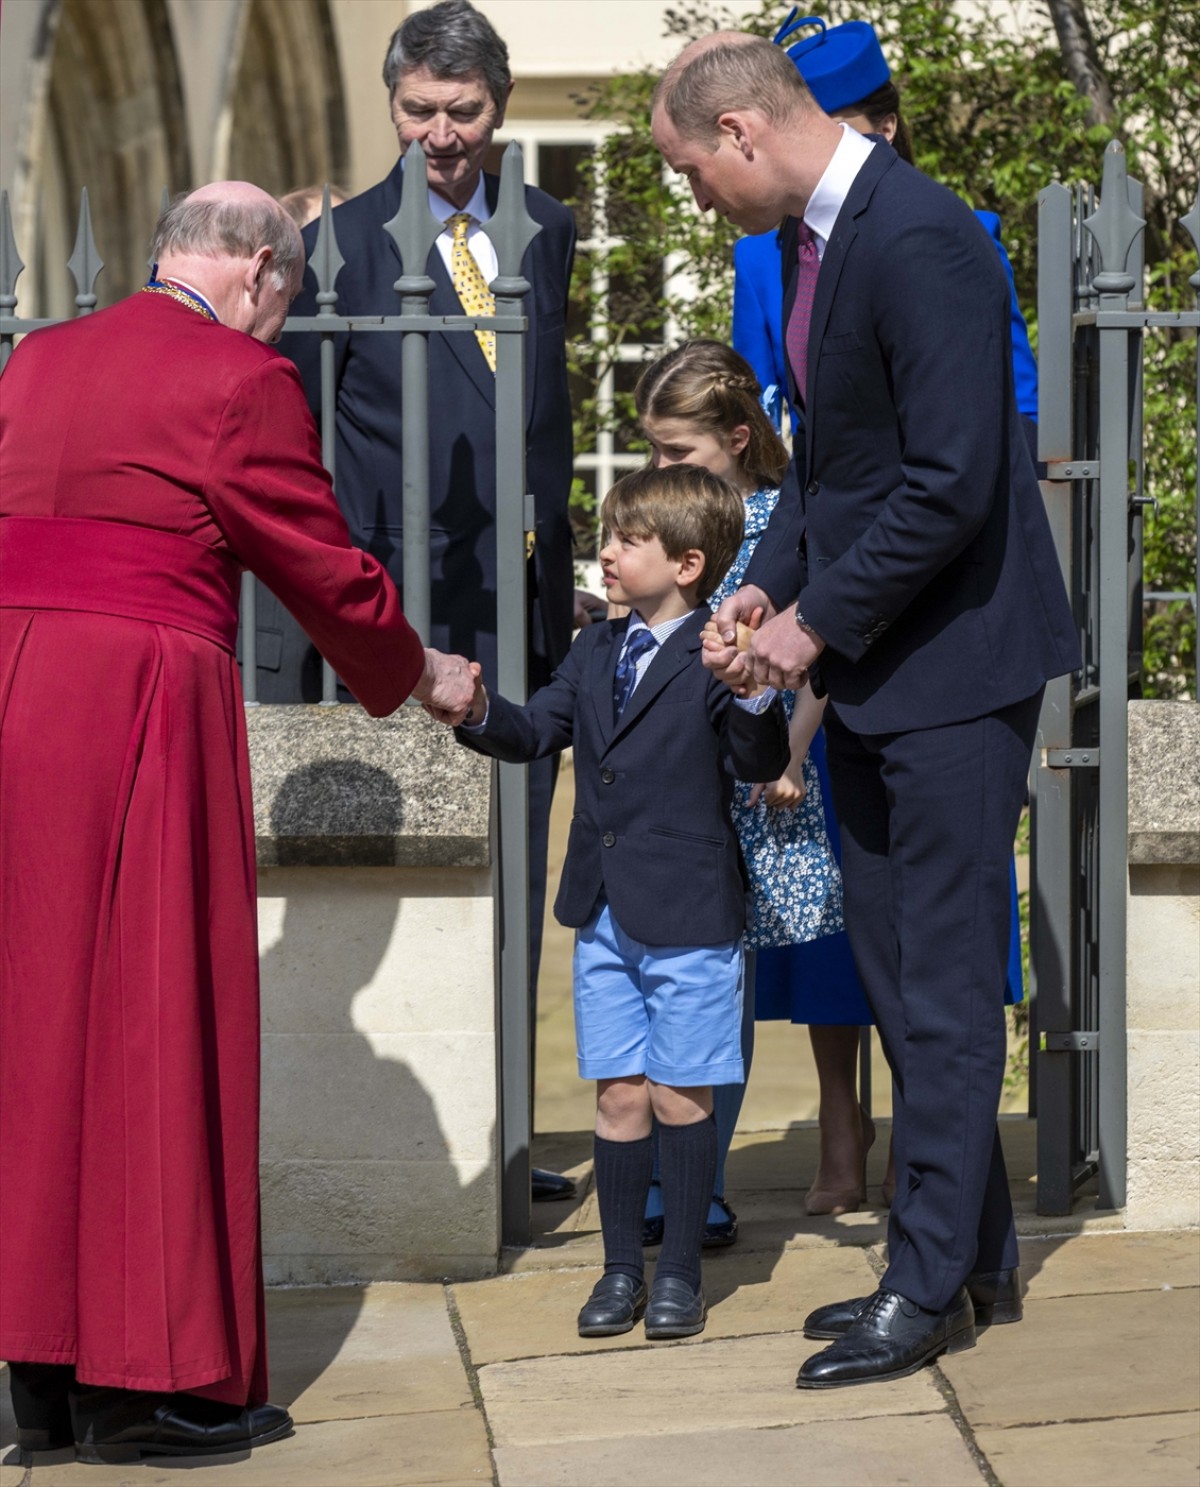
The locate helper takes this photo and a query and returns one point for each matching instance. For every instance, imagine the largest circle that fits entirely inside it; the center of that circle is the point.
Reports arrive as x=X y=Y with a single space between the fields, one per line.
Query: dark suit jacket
x=462 y=433
x=651 y=829
x=916 y=538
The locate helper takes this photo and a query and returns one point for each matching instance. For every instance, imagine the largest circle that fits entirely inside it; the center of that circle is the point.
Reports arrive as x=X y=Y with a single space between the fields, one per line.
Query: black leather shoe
x=996 y=1294
x=116 y=1426
x=724 y=1232
x=40 y=1405
x=674 y=1309
x=551 y=1187
x=616 y=1303
x=892 y=1337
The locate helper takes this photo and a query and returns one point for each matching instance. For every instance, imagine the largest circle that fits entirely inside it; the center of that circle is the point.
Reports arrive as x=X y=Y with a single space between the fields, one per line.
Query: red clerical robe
x=146 y=456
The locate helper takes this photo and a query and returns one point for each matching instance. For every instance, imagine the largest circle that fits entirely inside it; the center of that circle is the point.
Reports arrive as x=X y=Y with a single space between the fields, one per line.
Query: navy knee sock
x=688 y=1155
x=622 y=1181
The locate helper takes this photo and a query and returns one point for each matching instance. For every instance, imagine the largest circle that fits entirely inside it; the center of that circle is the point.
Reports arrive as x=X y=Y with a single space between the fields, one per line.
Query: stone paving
x=487 y=1381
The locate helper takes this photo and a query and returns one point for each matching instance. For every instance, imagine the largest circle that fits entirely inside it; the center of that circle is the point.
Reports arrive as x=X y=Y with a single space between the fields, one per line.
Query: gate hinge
x=1070 y=1042
x=1074 y=758
x=1073 y=470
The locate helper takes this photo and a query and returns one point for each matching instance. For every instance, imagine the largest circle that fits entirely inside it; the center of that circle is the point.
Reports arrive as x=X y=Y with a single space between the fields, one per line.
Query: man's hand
x=719 y=652
x=447 y=687
x=588 y=609
x=781 y=653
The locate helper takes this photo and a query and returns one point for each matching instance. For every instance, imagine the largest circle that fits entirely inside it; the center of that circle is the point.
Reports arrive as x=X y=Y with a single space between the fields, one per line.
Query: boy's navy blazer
x=652 y=828
x=915 y=537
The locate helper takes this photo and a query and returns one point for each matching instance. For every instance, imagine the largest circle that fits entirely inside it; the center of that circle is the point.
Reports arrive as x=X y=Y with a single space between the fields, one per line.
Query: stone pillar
x=376 y=928
x=1163 y=971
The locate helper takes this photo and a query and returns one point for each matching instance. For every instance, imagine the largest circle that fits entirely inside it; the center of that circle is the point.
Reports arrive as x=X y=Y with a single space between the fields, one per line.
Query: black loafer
x=892 y=1337
x=674 y=1309
x=116 y=1426
x=550 y=1187
x=996 y=1295
x=41 y=1405
x=616 y=1303
x=724 y=1232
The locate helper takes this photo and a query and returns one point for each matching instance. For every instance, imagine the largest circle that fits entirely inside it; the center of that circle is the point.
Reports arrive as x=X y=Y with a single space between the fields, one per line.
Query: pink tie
x=801 y=316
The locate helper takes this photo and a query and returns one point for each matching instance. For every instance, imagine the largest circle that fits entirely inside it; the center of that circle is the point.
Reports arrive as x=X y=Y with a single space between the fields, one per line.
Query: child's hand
x=782 y=794
x=735 y=675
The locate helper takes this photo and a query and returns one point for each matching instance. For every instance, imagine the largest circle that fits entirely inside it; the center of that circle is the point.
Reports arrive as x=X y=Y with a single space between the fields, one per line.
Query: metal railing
x=1091 y=326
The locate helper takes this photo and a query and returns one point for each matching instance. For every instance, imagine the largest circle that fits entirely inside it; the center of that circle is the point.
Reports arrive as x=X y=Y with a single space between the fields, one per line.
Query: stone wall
x=1163 y=966
x=378 y=991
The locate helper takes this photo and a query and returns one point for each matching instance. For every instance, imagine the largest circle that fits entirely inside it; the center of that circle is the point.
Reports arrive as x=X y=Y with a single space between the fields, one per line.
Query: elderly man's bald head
x=728 y=71
x=230 y=219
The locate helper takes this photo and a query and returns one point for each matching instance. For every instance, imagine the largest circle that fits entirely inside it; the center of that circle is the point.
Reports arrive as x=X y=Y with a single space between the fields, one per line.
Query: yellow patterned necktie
x=470 y=285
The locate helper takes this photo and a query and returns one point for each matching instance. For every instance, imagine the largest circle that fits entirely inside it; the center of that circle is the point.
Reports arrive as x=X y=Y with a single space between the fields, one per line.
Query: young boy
x=653 y=881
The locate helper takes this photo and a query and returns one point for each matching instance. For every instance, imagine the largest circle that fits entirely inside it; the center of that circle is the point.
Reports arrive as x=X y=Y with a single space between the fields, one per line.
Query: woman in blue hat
x=816 y=982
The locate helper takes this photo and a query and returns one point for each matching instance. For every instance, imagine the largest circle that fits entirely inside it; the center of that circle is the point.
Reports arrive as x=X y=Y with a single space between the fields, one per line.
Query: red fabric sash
x=107 y=567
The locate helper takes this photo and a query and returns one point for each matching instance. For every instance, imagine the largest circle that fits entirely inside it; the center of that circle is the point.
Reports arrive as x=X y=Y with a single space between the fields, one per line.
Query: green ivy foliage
x=992 y=114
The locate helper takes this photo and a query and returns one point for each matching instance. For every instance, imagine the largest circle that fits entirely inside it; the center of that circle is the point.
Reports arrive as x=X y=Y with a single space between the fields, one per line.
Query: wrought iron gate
x=1091 y=326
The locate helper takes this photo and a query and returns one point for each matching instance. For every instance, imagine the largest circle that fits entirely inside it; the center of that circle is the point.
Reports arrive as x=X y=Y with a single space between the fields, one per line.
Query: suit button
x=609 y=839
x=812 y=487
x=608 y=776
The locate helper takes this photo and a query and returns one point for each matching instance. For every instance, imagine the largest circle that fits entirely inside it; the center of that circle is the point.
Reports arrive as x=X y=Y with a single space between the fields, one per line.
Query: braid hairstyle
x=707 y=384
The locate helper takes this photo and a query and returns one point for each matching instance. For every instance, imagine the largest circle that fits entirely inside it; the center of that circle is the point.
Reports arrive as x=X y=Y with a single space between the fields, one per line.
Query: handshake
x=448 y=686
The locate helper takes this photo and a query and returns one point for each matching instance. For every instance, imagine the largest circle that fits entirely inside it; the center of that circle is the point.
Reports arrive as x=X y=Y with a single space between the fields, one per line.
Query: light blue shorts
x=672 y=1012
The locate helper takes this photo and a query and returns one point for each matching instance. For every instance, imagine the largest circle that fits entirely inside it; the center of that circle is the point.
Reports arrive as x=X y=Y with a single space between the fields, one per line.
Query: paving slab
x=1084 y=1357
x=675 y=1389
x=1092 y=1263
x=529 y=1316
x=443 y=1447
x=351 y=1352
x=1151 y=1450
x=925 y=1449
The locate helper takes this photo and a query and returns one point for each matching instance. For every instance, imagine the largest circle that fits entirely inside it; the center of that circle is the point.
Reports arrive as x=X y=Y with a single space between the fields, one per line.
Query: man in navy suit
x=448 y=82
x=911 y=575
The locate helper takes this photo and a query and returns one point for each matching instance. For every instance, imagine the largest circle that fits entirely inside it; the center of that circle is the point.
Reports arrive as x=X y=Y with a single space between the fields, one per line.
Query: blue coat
x=462 y=436
x=915 y=537
x=758 y=317
x=652 y=829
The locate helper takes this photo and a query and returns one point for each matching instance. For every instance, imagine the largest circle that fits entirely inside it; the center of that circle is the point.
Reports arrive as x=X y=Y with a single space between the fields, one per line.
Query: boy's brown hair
x=684 y=507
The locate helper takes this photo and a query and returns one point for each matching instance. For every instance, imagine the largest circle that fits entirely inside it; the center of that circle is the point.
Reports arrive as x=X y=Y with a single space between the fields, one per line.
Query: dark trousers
x=927 y=821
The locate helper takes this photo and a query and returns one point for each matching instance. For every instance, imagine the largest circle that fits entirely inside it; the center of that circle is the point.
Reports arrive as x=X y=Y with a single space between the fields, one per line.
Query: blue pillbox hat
x=841 y=64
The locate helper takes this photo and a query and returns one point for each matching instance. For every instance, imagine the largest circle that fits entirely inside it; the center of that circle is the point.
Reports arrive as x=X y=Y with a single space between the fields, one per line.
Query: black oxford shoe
x=892 y=1337
x=674 y=1309
x=616 y=1303
x=996 y=1295
x=116 y=1426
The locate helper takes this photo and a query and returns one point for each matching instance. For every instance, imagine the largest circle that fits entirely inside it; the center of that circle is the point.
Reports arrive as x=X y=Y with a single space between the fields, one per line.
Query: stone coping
x=334 y=787
x=1164 y=782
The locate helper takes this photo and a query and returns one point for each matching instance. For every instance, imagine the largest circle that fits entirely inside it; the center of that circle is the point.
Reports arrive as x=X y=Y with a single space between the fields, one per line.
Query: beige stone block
x=1162 y=1195
x=746 y=1383
x=376 y=950
x=1163 y=949
x=1164 y=1096
x=329 y=1222
x=1151 y=1450
x=1084 y=1357
x=930 y=1447
x=351 y=1352
x=420 y=1097
x=524 y=1316
x=1090 y=1264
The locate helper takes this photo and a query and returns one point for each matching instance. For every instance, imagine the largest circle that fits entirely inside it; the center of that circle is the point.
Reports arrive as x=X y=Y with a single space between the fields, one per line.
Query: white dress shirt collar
x=477 y=208
x=834 y=186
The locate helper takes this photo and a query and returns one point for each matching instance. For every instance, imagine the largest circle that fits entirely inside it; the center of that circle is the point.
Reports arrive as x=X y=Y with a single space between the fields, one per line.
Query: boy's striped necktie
x=640 y=642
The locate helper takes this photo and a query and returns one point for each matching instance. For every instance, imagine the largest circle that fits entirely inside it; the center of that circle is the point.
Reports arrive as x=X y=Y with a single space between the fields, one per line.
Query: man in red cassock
x=148 y=454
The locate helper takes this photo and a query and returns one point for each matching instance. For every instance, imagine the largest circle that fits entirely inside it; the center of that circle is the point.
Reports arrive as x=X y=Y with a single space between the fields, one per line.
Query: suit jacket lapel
x=670 y=658
x=845 y=230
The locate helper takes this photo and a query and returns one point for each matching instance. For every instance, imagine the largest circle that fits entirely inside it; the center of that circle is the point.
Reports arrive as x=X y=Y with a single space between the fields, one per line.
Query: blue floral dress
x=795 y=882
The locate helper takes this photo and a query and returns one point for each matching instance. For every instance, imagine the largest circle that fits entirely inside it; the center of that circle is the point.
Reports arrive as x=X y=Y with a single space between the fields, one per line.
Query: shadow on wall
x=360 y=1181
